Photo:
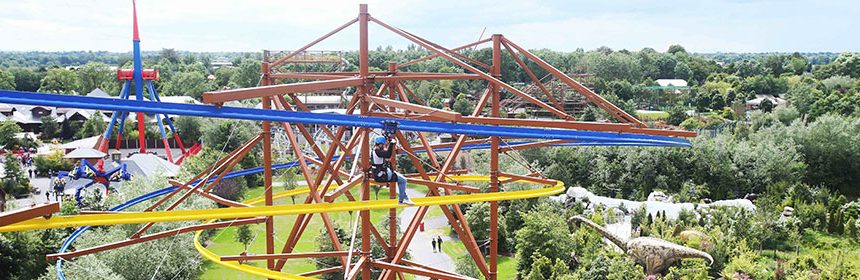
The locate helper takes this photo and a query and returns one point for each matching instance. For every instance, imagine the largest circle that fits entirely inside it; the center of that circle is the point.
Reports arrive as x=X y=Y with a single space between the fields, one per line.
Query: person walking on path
x=30 y=171
x=439 y=243
x=433 y=242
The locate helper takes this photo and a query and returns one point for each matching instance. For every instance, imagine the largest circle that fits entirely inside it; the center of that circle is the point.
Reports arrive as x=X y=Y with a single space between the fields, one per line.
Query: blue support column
x=122 y=95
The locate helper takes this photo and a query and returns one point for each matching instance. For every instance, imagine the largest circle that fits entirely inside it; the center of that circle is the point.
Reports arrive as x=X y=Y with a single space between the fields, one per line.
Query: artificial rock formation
x=655 y=254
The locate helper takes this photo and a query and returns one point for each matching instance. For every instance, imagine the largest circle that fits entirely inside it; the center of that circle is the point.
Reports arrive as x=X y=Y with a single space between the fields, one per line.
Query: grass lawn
x=507 y=266
x=224 y=243
x=652 y=115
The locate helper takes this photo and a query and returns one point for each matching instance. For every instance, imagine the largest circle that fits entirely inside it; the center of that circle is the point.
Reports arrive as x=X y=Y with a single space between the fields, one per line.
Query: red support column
x=363 y=60
x=392 y=193
x=267 y=162
x=141 y=133
x=494 y=160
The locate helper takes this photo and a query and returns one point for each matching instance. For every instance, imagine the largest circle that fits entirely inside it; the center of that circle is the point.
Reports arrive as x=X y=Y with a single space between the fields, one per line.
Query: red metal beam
x=150 y=237
x=41 y=210
x=284 y=256
x=474 y=70
x=284 y=59
x=322 y=271
x=436 y=55
x=417 y=271
x=532 y=76
x=445 y=115
x=291 y=75
x=218 y=97
x=588 y=93
x=425 y=77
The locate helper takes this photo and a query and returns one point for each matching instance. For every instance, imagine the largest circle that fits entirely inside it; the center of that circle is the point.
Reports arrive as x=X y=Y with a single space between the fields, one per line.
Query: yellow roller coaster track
x=212 y=215
x=378 y=204
x=279 y=210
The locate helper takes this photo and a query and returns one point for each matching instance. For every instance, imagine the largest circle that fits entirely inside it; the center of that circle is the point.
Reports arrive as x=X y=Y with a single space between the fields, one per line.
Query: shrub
x=53 y=161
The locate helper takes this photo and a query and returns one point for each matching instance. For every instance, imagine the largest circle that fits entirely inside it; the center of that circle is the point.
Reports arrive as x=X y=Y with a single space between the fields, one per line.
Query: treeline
x=817 y=83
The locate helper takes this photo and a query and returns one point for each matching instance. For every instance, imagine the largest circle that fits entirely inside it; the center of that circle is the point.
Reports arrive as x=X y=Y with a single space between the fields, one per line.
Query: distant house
x=671 y=82
x=221 y=63
x=676 y=85
x=6 y=110
x=776 y=100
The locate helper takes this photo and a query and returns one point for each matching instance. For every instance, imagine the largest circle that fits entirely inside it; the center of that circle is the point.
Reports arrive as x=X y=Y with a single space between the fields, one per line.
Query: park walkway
x=421 y=248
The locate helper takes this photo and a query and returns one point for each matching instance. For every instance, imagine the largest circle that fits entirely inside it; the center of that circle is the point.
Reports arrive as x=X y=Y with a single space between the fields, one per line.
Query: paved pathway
x=421 y=248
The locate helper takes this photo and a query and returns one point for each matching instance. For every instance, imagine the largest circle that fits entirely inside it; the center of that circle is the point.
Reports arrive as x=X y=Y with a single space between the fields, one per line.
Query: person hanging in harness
x=382 y=171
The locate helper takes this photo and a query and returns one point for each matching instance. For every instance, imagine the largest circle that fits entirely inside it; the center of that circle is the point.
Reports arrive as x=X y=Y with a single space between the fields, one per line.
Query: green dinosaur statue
x=655 y=254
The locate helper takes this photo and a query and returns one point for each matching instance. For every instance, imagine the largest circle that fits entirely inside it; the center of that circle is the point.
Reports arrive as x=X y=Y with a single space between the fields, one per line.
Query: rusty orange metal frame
x=329 y=181
x=23 y=214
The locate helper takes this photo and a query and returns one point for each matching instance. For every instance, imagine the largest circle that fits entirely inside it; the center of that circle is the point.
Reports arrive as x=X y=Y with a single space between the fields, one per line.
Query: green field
x=223 y=242
x=652 y=115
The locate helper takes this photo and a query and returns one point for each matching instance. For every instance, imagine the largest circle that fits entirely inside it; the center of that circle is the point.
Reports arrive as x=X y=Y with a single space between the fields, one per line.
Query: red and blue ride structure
x=140 y=79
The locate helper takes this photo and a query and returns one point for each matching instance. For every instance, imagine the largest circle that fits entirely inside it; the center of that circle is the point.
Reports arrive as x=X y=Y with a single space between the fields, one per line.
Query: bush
x=52 y=162
x=692 y=123
x=466 y=266
x=745 y=265
x=544 y=232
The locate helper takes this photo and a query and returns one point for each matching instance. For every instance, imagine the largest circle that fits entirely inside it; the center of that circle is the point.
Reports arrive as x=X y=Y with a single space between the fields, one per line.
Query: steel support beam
x=218 y=97
x=41 y=210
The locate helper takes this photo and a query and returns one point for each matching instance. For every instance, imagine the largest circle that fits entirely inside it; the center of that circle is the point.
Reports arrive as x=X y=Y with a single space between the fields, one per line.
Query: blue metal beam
x=95 y=103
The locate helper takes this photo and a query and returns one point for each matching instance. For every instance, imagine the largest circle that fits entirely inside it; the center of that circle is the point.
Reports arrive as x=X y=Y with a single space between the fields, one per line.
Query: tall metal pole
x=392 y=193
x=267 y=161
x=363 y=60
x=494 y=159
x=138 y=83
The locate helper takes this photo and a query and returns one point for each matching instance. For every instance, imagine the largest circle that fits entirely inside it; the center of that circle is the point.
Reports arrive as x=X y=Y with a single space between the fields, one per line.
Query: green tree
x=22 y=253
x=290 y=178
x=545 y=269
x=244 y=235
x=675 y=49
x=192 y=84
x=8 y=129
x=50 y=128
x=544 y=232
x=59 y=80
x=223 y=76
x=26 y=79
x=96 y=75
x=93 y=126
x=796 y=64
x=247 y=74
x=463 y=105
x=683 y=71
x=189 y=129
x=169 y=55
x=677 y=115
x=7 y=80
x=803 y=97
x=15 y=182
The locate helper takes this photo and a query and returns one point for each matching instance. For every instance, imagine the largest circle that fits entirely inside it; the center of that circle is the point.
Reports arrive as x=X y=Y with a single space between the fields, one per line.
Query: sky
x=253 y=25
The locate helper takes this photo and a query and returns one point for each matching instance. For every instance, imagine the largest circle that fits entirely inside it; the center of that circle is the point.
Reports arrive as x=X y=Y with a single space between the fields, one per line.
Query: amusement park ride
x=140 y=78
x=380 y=99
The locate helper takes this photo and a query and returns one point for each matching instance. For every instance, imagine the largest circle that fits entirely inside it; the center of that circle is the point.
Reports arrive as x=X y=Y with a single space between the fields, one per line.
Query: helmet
x=379 y=140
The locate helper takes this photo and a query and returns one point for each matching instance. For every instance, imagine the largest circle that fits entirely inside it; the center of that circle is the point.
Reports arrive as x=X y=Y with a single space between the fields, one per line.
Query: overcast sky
x=233 y=25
